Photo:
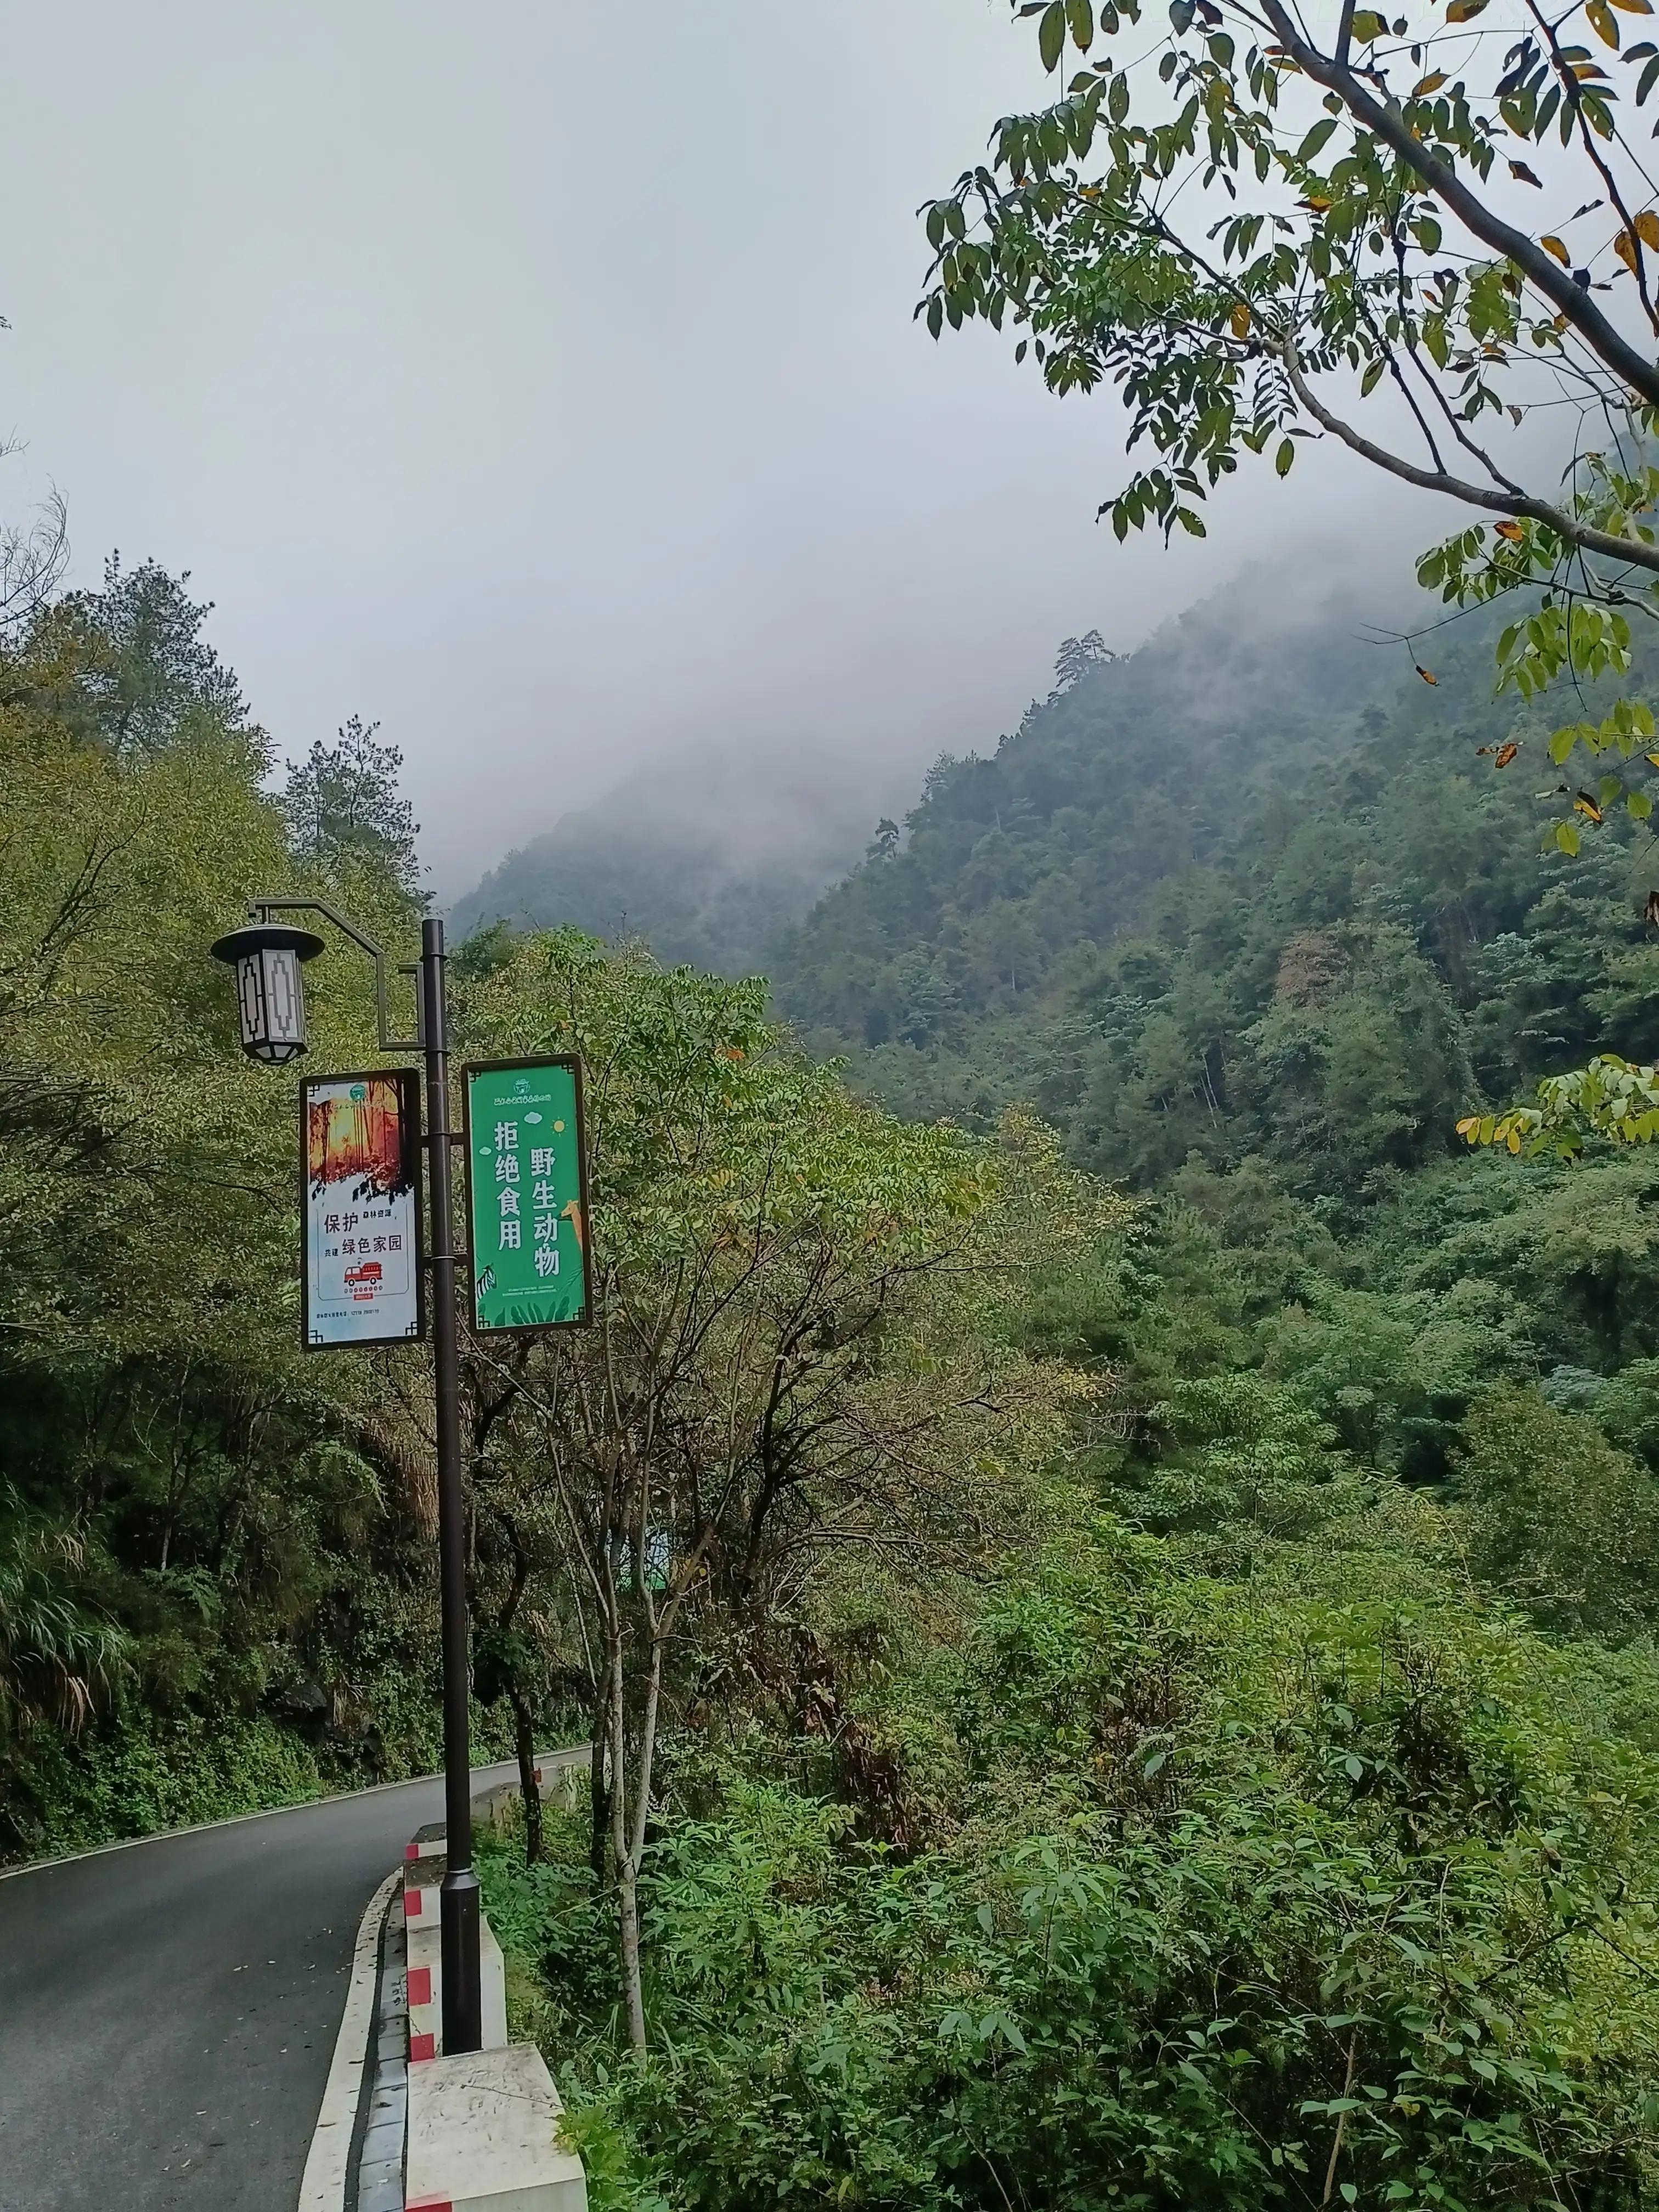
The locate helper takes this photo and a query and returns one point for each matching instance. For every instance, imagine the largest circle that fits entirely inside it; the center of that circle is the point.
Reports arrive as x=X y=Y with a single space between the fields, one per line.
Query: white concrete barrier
x=483 y=2129
x=483 y=2137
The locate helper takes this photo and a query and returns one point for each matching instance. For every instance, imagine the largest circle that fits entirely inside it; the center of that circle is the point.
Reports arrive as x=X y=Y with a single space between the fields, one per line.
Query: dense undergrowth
x=1234 y=1891
x=1282 y=1833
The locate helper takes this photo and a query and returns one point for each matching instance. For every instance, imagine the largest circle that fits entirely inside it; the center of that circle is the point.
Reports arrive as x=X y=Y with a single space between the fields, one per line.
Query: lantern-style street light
x=267 y=957
x=269 y=990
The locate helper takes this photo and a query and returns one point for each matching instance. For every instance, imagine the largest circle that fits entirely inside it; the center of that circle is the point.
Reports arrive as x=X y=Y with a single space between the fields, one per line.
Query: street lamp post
x=271 y=999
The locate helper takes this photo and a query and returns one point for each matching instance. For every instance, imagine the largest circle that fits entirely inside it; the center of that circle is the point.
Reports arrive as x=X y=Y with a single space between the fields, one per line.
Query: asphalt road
x=168 y=2011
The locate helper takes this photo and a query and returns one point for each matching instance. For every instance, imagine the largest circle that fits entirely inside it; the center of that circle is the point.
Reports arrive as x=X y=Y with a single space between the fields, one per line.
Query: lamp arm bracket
x=261 y=910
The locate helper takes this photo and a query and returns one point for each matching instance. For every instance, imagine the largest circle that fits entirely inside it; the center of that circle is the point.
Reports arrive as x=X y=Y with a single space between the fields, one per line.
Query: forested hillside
x=1254 y=889
x=706 y=858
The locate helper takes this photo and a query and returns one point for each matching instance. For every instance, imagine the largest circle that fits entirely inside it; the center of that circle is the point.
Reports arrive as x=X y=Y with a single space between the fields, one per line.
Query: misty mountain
x=1132 y=769
x=708 y=857
x=1253 y=891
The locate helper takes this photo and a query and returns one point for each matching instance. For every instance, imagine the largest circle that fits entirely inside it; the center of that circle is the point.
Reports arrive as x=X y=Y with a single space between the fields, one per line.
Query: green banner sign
x=526 y=1194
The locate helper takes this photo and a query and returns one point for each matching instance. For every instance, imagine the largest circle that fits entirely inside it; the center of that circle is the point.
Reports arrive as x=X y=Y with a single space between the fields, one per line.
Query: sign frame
x=408 y=1085
x=516 y=1065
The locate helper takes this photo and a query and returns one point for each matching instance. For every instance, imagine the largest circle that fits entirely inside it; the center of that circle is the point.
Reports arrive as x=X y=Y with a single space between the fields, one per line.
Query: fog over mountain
x=707 y=855
x=711 y=854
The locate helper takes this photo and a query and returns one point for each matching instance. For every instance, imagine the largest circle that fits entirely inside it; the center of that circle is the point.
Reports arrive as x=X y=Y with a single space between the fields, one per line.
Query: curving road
x=168 y=2008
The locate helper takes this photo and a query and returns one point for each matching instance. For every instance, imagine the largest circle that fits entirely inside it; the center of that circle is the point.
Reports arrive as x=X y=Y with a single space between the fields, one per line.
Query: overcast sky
x=539 y=380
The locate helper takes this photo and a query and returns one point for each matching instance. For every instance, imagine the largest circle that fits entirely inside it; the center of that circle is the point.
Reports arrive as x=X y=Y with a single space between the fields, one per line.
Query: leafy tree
x=1077 y=655
x=1558 y=1517
x=786 y=1360
x=128 y=665
x=342 y=803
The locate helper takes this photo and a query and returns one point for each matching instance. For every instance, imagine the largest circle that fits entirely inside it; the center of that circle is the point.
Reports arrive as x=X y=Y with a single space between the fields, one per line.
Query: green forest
x=1113 y=1563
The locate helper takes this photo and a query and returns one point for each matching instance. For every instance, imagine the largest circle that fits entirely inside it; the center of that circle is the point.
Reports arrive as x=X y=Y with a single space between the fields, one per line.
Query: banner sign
x=361 y=1277
x=526 y=1194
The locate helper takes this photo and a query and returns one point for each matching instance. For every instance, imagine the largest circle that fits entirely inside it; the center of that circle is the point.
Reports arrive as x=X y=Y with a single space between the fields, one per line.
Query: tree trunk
x=525 y=1735
x=624 y=1863
x=599 y=1791
x=628 y=1902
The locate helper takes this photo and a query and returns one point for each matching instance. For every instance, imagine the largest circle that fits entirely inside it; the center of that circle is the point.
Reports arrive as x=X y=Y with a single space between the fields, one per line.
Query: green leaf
x=1372 y=378
x=1563 y=743
x=1316 y=138
x=1051 y=34
x=1639 y=804
x=1284 y=456
x=1567 y=837
x=1080 y=15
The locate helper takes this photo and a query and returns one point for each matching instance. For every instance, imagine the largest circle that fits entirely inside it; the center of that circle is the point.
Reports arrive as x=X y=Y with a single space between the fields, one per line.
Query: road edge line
x=565 y=1752
x=328 y=2162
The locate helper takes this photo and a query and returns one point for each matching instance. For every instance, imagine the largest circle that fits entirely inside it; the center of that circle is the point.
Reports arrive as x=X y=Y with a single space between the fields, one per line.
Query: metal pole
x=463 y=2022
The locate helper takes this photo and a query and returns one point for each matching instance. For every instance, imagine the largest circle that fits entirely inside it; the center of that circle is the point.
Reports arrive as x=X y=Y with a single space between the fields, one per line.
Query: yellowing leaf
x=1469 y=1126
x=1432 y=83
x=1554 y=245
x=1646 y=227
x=1634 y=7
x=1317 y=206
x=1424 y=672
x=1600 y=19
x=1461 y=11
x=1586 y=805
x=1512 y=531
x=1506 y=753
x=1240 y=321
x=1625 y=246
